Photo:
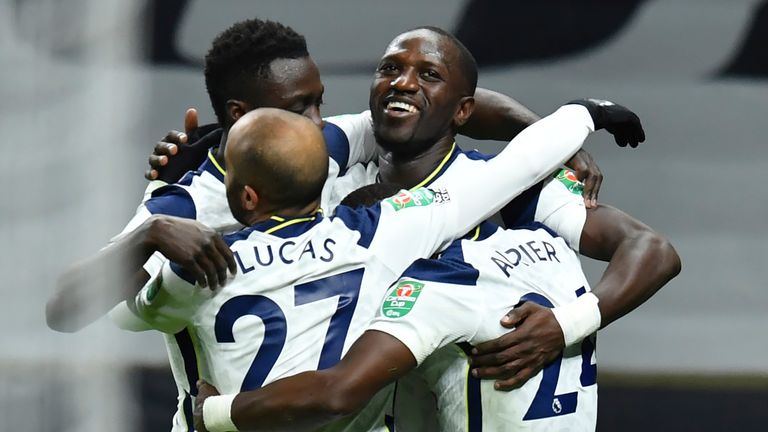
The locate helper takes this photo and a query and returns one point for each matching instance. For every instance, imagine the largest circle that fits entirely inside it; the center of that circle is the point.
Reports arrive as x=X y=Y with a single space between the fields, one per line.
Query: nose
x=406 y=81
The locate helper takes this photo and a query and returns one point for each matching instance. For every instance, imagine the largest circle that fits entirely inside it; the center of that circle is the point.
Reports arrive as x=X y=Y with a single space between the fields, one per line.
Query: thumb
x=190 y=121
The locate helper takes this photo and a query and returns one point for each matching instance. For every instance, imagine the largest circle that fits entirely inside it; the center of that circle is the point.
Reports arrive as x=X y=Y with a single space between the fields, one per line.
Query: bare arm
x=497 y=117
x=311 y=399
x=641 y=261
x=90 y=288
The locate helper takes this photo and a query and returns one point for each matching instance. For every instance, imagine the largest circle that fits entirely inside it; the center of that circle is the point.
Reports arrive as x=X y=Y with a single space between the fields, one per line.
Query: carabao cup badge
x=401 y=298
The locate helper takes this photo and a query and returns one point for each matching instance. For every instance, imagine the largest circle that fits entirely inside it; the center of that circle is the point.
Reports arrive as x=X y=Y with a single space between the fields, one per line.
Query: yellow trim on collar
x=288 y=223
x=437 y=170
x=477 y=234
x=216 y=163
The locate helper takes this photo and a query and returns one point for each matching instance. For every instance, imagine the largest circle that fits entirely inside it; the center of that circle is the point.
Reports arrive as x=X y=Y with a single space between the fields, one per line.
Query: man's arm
x=311 y=399
x=641 y=261
x=500 y=117
x=89 y=288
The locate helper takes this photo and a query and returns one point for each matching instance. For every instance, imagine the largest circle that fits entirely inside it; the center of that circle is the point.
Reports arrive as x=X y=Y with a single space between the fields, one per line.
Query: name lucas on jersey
x=287 y=252
x=525 y=254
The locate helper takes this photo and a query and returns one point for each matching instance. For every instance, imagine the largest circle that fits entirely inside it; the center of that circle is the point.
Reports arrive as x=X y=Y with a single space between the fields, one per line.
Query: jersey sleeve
x=428 y=220
x=556 y=202
x=168 y=301
x=349 y=138
x=562 y=208
x=426 y=315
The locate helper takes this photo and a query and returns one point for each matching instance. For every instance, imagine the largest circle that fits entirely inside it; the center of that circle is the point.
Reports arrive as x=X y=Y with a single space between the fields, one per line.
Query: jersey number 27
x=345 y=285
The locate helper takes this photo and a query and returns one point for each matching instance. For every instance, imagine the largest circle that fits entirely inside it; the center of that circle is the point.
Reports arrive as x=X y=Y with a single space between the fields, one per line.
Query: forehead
x=424 y=44
x=290 y=78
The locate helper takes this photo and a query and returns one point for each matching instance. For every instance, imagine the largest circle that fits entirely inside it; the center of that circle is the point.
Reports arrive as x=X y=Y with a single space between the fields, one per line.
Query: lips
x=399 y=107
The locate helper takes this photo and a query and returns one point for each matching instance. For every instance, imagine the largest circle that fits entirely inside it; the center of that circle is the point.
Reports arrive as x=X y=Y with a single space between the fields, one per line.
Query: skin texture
x=78 y=299
x=277 y=163
x=641 y=261
x=408 y=71
x=292 y=84
x=308 y=400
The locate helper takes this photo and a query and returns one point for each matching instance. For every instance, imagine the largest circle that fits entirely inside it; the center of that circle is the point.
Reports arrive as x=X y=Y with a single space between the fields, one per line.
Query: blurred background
x=88 y=86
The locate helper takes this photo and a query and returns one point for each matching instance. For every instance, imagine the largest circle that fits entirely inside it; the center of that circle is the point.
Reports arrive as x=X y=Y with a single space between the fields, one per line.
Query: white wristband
x=216 y=413
x=578 y=319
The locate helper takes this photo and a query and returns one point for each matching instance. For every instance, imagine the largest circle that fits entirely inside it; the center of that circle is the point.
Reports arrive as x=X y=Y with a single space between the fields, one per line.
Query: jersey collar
x=285 y=227
x=212 y=166
x=441 y=168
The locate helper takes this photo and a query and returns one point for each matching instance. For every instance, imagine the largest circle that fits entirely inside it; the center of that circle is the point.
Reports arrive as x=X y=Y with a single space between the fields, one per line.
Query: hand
x=619 y=121
x=515 y=357
x=587 y=171
x=204 y=390
x=188 y=150
x=197 y=248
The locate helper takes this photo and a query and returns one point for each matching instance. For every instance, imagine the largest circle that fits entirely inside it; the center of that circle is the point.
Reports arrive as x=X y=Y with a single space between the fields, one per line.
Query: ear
x=235 y=110
x=466 y=107
x=249 y=199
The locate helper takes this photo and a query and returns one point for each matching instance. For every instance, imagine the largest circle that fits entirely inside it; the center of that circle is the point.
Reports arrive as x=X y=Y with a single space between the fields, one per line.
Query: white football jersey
x=461 y=297
x=523 y=164
x=201 y=195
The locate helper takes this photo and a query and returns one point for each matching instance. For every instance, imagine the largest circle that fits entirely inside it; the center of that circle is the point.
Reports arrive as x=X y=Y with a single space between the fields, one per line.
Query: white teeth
x=403 y=106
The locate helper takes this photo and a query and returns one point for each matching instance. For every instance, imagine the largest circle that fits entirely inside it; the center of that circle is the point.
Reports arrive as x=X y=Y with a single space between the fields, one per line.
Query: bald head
x=279 y=155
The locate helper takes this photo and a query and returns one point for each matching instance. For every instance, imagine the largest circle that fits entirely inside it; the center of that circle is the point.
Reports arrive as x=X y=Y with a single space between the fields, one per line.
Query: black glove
x=619 y=121
x=191 y=156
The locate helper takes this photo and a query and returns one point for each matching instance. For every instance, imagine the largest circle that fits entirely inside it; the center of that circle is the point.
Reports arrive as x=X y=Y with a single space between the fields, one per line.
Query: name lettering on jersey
x=287 y=252
x=417 y=198
x=526 y=254
x=401 y=298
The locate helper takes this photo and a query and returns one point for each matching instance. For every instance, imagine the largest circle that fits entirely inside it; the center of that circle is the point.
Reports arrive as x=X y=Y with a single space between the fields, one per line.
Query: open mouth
x=404 y=107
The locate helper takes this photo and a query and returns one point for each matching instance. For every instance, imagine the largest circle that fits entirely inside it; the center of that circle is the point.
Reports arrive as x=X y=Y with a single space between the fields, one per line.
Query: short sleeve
x=168 y=302
x=426 y=315
x=561 y=207
x=351 y=134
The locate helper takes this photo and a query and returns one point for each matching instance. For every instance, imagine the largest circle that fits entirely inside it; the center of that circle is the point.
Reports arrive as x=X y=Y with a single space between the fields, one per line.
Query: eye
x=387 y=67
x=431 y=75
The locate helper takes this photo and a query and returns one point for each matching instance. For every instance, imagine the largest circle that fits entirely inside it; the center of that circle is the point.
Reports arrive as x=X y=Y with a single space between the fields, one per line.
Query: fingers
x=157 y=162
x=164 y=148
x=517 y=380
x=150 y=174
x=175 y=137
x=190 y=121
x=219 y=261
x=227 y=254
x=592 y=188
x=514 y=317
x=208 y=266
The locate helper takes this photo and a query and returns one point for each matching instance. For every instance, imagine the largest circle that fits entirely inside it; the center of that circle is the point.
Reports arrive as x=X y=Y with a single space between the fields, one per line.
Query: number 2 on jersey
x=546 y=403
x=345 y=285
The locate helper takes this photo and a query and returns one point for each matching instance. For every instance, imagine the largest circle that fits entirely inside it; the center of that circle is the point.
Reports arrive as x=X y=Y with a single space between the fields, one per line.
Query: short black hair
x=367 y=196
x=467 y=61
x=242 y=52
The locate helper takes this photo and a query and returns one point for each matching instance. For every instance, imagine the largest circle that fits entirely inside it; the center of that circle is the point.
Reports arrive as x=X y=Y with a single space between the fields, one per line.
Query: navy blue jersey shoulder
x=522 y=210
x=449 y=268
x=172 y=200
x=281 y=227
x=476 y=155
x=364 y=220
x=337 y=143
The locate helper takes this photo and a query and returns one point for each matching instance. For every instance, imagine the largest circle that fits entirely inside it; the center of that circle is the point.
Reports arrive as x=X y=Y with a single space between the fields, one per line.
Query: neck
x=407 y=170
x=219 y=155
x=260 y=215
